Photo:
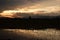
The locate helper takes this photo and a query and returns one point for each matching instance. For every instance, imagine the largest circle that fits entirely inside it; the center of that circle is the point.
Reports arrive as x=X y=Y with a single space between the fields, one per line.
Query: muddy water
x=22 y=34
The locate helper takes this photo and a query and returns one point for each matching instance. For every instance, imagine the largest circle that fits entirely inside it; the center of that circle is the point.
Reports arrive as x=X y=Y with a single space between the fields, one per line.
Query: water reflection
x=22 y=34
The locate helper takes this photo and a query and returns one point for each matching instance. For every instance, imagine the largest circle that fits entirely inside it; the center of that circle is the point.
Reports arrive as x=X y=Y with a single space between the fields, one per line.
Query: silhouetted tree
x=29 y=17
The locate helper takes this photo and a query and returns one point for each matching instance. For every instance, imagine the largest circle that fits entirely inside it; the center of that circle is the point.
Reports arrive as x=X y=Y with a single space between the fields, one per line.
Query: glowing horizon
x=10 y=13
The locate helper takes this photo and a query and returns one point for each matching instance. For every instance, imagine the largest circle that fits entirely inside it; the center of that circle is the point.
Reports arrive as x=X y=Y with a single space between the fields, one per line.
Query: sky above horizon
x=11 y=4
x=29 y=5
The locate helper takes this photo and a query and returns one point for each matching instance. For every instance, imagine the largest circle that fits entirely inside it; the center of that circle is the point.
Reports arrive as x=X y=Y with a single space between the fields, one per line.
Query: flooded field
x=22 y=34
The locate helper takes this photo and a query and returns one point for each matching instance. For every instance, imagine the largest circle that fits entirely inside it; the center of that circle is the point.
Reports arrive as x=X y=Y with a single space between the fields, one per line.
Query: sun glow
x=10 y=13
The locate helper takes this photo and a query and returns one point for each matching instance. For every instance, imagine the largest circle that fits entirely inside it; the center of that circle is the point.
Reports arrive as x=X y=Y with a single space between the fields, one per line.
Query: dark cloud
x=15 y=2
x=9 y=4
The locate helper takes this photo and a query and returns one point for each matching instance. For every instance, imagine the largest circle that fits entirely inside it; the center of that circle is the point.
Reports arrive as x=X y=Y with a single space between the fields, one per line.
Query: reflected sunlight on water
x=47 y=33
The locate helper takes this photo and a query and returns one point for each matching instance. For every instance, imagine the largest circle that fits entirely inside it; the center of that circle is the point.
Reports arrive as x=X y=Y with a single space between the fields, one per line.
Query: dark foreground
x=43 y=24
x=30 y=23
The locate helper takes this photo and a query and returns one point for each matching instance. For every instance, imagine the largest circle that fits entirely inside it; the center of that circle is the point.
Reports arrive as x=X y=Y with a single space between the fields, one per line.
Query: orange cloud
x=29 y=10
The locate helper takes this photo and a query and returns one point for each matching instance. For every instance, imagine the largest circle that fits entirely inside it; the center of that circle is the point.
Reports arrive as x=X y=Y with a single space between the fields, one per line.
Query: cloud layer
x=10 y=7
x=11 y=4
x=26 y=12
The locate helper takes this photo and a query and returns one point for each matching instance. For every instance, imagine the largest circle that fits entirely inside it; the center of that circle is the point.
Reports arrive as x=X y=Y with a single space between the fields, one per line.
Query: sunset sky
x=10 y=7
